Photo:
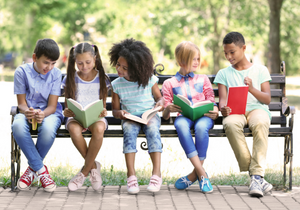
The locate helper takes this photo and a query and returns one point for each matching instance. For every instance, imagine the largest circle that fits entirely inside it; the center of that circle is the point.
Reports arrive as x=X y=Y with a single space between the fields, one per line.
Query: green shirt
x=231 y=77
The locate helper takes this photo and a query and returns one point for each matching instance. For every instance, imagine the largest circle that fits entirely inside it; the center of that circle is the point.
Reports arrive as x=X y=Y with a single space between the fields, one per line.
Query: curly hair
x=70 y=81
x=139 y=59
x=235 y=38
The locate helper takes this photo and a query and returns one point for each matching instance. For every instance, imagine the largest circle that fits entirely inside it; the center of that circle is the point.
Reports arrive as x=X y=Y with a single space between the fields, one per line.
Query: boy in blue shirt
x=257 y=117
x=37 y=86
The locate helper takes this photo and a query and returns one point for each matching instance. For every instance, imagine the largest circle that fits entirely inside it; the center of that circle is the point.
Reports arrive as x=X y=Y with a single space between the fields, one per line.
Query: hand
x=39 y=116
x=160 y=103
x=213 y=114
x=29 y=114
x=121 y=114
x=248 y=81
x=225 y=110
x=173 y=108
x=103 y=113
x=68 y=113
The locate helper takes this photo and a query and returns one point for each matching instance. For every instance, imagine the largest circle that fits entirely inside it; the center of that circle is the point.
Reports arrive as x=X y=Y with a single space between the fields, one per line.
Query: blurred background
x=270 y=27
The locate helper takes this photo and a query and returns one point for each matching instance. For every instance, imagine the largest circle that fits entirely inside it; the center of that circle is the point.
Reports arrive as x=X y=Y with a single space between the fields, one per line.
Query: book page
x=91 y=104
x=149 y=114
x=75 y=103
x=135 y=118
x=201 y=103
x=184 y=99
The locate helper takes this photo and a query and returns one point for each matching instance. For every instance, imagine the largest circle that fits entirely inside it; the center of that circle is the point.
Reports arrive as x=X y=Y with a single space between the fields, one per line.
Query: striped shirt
x=135 y=100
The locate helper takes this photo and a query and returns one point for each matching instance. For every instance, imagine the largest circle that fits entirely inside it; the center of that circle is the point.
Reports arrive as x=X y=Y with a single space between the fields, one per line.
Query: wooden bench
x=281 y=124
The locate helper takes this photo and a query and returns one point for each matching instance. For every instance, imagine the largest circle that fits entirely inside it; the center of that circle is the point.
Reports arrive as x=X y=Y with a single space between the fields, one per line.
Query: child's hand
x=213 y=114
x=68 y=113
x=121 y=114
x=39 y=116
x=29 y=114
x=173 y=108
x=225 y=110
x=103 y=113
x=248 y=81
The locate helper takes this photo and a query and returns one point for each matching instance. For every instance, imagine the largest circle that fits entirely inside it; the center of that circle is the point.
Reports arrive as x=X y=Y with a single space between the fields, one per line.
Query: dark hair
x=48 y=48
x=139 y=59
x=234 y=37
x=70 y=82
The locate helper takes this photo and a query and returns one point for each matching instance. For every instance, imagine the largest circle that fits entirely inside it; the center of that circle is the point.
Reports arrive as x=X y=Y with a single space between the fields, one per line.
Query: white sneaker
x=266 y=186
x=132 y=185
x=255 y=188
x=76 y=182
x=95 y=177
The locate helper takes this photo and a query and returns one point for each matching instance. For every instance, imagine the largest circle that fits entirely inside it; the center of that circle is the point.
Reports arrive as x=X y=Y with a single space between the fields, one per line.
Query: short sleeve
x=56 y=88
x=264 y=75
x=19 y=81
x=153 y=80
x=63 y=83
x=220 y=78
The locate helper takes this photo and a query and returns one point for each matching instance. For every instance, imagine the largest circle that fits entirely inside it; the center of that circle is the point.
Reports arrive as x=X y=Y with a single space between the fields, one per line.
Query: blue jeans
x=35 y=153
x=131 y=130
x=201 y=126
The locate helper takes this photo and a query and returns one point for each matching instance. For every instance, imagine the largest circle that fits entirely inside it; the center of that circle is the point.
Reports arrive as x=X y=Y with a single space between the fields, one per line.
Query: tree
x=274 y=36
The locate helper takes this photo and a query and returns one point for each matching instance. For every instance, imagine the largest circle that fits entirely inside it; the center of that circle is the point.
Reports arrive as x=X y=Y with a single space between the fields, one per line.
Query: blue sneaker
x=183 y=183
x=205 y=185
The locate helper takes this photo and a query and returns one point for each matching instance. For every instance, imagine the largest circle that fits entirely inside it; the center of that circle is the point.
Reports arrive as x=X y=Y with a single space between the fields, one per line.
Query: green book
x=194 y=111
x=89 y=114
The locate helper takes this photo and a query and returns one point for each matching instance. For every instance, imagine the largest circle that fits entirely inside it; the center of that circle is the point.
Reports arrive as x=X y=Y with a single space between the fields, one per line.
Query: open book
x=89 y=114
x=146 y=116
x=237 y=99
x=194 y=111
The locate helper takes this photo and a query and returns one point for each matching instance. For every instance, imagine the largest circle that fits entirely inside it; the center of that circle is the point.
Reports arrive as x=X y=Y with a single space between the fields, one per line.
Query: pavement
x=117 y=198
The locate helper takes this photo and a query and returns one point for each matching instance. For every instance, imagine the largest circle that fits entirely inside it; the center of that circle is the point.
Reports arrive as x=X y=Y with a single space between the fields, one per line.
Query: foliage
x=160 y=24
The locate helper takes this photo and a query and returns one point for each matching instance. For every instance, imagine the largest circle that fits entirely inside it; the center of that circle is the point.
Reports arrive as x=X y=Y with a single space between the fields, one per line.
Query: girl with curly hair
x=86 y=85
x=136 y=91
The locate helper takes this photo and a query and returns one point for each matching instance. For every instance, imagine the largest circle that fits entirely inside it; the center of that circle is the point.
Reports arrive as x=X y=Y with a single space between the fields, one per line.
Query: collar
x=178 y=76
x=36 y=74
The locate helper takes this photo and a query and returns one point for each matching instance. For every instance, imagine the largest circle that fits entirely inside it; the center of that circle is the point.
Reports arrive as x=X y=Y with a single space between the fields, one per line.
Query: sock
x=42 y=170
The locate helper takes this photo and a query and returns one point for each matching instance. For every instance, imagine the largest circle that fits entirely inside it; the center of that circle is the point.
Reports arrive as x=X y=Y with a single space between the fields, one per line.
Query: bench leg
x=15 y=158
x=288 y=158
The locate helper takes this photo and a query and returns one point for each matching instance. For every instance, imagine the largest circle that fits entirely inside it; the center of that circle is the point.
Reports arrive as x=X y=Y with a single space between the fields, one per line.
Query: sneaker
x=26 y=179
x=47 y=182
x=132 y=185
x=255 y=188
x=205 y=185
x=154 y=184
x=183 y=183
x=266 y=186
x=95 y=177
x=76 y=182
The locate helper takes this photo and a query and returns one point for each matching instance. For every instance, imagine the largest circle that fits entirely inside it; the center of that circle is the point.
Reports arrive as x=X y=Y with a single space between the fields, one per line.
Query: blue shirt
x=38 y=87
x=134 y=99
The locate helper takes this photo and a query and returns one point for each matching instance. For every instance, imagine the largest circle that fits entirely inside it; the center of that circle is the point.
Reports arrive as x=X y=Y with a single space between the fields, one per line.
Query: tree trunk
x=274 y=36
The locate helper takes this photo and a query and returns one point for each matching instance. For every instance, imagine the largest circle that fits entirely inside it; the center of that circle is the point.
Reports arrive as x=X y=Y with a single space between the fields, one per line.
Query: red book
x=237 y=99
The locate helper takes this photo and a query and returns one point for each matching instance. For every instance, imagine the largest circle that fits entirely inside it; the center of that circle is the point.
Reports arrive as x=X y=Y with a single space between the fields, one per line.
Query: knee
x=259 y=124
x=232 y=125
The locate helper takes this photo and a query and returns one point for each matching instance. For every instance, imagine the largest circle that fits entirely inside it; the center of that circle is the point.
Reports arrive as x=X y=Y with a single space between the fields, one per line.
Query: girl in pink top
x=196 y=88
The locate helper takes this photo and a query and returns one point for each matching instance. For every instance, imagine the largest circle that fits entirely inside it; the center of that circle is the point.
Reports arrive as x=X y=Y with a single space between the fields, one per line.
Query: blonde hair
x=185 y=53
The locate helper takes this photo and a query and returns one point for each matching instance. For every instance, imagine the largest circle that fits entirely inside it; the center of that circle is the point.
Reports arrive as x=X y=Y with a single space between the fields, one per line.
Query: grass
x=111 y=176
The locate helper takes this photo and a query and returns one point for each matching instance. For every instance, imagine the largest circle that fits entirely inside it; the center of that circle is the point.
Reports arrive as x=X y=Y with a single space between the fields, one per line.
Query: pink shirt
x=196 y=87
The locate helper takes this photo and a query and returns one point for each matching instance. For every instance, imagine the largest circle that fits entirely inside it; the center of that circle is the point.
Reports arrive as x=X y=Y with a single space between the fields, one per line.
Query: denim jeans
x=131 y=130
x=35 y=153
x=201 y=126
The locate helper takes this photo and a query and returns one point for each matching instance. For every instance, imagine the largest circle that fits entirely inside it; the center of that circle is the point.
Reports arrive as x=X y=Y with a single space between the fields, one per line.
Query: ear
x=34 y=57
x=244 y=47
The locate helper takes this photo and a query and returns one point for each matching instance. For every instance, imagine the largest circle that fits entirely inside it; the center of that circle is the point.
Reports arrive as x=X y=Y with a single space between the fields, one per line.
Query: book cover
x=146 y=116
x=237 y=99
x=192 y=111
x=88 y=115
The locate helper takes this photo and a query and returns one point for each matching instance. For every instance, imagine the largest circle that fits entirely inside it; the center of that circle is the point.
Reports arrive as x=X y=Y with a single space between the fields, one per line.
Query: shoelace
x=93 y=176
x=185 y=181
x=45 y=179
x=204 y=182
x=29 y=175
x=257 y=182
x=78 y=179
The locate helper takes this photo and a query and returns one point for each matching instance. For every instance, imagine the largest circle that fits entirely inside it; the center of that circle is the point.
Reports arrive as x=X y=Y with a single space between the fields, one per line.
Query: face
x=195 y=63
x=42 y=64
x=234 y=53
x=122 y=68
x=85 y=62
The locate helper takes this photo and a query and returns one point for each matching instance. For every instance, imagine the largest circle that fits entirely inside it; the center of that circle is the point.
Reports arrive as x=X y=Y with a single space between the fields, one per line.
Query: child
x=196 y=88
x=137 y=91
x=257 y=116
x=37 y=86
x=85 y=86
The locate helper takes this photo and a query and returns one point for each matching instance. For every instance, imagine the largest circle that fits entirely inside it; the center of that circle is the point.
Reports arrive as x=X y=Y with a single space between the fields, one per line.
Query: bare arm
x=225 y=110
x=158 y=97
x=117 y=112
x=263 y=96
x=23 y=107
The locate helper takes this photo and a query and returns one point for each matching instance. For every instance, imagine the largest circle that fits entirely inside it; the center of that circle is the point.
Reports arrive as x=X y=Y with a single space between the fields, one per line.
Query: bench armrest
x=13 y=110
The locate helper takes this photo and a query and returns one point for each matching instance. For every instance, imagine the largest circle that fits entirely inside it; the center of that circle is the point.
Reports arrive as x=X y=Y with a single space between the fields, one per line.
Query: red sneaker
x=47 y=183
x=26 y=179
